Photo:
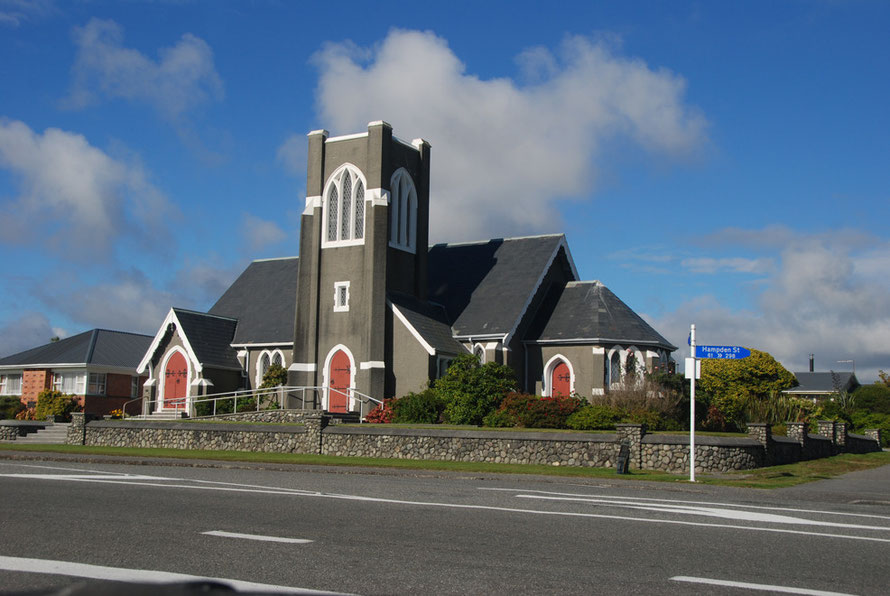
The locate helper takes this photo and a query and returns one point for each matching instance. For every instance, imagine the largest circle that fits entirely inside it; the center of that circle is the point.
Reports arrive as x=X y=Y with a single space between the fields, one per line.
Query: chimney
x=812 y=363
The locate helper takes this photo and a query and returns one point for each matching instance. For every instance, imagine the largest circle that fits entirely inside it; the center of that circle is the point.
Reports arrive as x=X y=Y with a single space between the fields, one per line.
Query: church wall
x=586 y=365
x=410 y=363
x=255 y=353
x=224 y=381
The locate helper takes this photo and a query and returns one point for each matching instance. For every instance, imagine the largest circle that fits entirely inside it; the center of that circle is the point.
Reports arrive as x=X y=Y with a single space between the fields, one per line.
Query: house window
x=341 y=296
x=134 y=386
x=403 y=212
x=344 y=208
x=96 y=384
x=70 y=382
x=10 y=384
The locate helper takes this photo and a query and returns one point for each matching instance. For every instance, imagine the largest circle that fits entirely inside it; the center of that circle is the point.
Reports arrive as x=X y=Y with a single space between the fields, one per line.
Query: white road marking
x=135 y=575
x=242 y=488
x=636 y=499
x=749 y=586
x=257 y=537
x=708 y=512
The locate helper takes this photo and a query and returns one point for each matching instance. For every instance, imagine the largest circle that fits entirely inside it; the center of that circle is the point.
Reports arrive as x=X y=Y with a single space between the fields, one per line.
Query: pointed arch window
x=403 y=211
x=344 y=208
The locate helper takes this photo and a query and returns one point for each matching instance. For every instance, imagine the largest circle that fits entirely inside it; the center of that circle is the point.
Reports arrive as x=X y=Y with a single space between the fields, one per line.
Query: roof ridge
x=507 y=239
x=205 y=314
x=275 y=259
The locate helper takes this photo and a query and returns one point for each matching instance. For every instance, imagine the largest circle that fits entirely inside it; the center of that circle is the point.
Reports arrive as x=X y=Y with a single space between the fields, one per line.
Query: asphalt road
x=379 y=532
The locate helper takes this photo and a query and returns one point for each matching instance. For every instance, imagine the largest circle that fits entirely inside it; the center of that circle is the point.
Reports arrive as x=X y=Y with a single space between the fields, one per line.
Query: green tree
x=471 y=391
x=733 y=383
x=872 y=398
x=55 y=403
x=275 y=376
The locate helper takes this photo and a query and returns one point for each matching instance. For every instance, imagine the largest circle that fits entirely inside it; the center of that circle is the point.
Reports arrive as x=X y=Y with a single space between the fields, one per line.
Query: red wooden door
x=175 y=382
x=560 y=380
x=340 y=375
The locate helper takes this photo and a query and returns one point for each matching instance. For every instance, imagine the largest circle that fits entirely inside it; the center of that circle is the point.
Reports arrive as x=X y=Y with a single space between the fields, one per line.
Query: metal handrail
x=283 y=392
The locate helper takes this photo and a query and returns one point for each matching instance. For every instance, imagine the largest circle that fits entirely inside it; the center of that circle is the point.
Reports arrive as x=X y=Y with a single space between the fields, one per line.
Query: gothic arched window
x=344 y=207
x=403 y=211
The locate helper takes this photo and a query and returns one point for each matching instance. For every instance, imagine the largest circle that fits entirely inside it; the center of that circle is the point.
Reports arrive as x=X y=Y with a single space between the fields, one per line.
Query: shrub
x=10 y=405
x=425 y=407
x=55 y=403
x=715 y=420
x=594 y=417
x=275 y=376
x=470 y=391
x=873 y=398
x=531 y=411
x=382 y=414
x=864 y=420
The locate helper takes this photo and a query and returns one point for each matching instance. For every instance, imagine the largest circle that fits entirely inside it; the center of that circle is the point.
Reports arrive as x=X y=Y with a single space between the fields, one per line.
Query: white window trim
x=407 y=225
x=481 y=347
x=335 y=180
x=258 y=369
x=337 y=306
x=80 y=381
x=4 y=383
x=350 y=403
x=548 y=373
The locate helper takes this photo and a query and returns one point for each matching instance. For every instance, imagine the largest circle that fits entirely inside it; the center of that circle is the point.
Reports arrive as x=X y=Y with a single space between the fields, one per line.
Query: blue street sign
x=722 y=352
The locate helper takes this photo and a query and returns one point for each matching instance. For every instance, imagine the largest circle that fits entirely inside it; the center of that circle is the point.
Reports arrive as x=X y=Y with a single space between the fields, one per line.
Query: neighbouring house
x=97 y=367
x=822 y=385
x=369 y=309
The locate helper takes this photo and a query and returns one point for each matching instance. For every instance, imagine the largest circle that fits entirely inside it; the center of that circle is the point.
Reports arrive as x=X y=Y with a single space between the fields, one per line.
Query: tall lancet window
x=403 y=212
x=344 y=208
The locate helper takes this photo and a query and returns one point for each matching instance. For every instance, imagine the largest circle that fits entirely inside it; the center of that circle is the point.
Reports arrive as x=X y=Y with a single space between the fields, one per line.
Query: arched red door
x=560 y=380
x=176 y=381
x=340 y=375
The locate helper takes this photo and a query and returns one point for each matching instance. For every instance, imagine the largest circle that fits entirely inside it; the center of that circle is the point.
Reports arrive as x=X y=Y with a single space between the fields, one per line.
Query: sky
x=722 y=164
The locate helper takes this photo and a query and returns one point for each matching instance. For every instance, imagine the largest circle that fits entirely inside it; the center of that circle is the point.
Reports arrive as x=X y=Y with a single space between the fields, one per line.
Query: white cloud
x=828 y=295
x=260 y=233
x=183 y=76
x=731 y=264
x=292 y=154
x=28 y=330
x=502 y=151
x=14 y=12
x=72 y=193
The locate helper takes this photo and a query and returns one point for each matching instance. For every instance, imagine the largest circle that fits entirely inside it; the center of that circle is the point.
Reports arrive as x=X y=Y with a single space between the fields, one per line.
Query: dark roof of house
x=429 y=321
x=824 y=382
x=486 y=286
x=99 y=347
x=210 y=337
x=263 y=299
x=589 y=311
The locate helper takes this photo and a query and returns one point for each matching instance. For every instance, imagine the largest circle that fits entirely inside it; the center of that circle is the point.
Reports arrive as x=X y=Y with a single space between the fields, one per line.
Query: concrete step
x=159 y=416
x=51 y=435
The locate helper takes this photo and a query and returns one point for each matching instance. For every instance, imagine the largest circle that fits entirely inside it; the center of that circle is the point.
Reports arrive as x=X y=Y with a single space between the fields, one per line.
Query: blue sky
x=723 y=164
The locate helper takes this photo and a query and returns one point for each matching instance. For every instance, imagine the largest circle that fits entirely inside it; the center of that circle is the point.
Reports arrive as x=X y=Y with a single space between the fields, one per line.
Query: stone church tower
x=363 y=235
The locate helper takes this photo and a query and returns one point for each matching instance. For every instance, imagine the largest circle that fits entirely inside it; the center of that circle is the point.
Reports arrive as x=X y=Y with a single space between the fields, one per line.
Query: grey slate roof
x=588 y=310
x=823 y=382
x=485 y=286
x=430 y=321
x=99 y=347
x=263 y=299
x=210 y=337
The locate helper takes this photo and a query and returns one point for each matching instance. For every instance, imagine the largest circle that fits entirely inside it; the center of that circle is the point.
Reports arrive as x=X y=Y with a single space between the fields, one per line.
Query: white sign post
x=692 y=374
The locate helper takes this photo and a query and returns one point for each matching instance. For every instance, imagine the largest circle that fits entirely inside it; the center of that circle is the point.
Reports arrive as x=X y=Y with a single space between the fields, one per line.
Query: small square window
x=341 y=296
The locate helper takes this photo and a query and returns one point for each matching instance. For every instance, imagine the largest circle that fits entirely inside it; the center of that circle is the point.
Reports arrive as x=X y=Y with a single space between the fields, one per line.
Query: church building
x=370 y=310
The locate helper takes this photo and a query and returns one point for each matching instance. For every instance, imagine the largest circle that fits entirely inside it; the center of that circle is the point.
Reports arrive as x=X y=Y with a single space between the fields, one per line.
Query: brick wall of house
x=118 y=385
x=33 y=382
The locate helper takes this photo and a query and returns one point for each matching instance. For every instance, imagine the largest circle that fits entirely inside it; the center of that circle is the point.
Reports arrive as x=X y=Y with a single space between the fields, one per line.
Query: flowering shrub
x=382 y=414
x=531 y=411
x=118 y=413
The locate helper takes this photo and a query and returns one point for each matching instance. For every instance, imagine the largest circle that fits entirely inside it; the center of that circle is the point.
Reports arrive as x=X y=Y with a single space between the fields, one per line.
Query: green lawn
x=774 y=477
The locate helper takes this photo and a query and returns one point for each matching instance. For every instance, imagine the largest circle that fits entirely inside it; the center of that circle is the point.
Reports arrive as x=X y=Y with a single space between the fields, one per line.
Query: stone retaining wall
x=271 y=416
x=669 y=453
x=563 y=449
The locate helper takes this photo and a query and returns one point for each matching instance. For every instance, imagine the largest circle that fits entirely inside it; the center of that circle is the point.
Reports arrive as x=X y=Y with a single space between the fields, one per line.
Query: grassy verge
x=767 y=478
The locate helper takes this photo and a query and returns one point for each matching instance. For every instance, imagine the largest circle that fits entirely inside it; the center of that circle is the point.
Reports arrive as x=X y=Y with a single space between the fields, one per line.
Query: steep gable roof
x=263 y=299
x=99 y=347
x=210 y=338
x=588 y=311
x=486 y=287
x=428 y=321
x=824 y=382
